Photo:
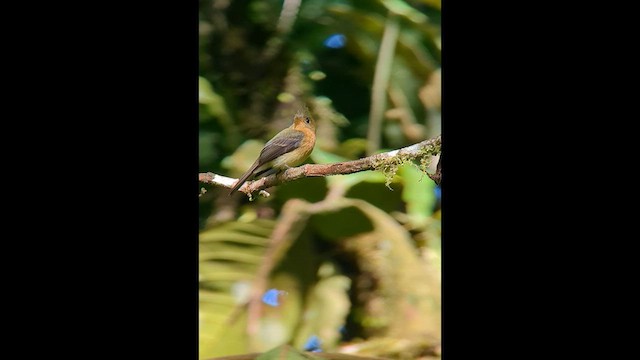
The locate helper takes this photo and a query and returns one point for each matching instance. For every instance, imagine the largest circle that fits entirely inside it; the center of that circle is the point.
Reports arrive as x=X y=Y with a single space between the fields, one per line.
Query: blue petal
x=271 y=297
x=335 y=41
x=313 y=344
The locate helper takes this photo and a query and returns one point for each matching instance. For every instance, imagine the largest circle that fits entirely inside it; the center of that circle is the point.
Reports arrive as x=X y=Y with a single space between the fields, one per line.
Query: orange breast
x=299 y=155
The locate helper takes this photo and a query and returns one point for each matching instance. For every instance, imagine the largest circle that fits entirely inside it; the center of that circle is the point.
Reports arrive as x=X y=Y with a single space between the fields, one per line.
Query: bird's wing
x=287 y=140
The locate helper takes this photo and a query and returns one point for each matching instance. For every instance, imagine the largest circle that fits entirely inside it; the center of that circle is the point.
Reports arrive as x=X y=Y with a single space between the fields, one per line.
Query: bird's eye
x=308 y=120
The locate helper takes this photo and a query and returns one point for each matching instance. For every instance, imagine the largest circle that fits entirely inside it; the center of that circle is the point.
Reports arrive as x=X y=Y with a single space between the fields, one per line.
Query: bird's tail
x=244 y=178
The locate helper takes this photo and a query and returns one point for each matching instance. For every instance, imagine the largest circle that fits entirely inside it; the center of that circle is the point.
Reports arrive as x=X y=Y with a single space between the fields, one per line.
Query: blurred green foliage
x=358 y=263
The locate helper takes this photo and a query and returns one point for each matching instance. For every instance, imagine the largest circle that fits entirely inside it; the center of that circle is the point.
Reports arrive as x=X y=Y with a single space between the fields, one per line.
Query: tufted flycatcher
x=290 y=147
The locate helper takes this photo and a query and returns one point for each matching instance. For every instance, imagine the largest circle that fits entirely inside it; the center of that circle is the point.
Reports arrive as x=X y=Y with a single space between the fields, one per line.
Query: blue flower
x=335 y=41
x=438 y=192
x=313 y=344
x=271 y=297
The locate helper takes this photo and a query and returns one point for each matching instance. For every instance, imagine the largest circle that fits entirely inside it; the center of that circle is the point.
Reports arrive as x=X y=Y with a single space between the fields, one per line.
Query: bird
x=290 y=147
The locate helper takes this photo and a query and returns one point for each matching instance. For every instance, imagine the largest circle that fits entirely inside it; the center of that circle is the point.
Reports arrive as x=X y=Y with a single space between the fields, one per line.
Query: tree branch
x=374 y=162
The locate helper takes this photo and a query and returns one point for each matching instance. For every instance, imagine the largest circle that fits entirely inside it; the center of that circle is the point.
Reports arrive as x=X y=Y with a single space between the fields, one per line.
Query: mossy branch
x=386 y=162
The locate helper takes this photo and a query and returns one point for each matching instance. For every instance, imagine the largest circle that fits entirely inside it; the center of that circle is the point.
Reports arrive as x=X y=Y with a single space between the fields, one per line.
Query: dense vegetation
x=353 y=260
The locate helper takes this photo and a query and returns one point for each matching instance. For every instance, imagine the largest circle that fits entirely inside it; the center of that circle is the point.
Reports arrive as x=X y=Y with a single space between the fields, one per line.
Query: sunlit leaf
x=205 y=91
x=418 y=193
x=233 y=236
x=242 y=159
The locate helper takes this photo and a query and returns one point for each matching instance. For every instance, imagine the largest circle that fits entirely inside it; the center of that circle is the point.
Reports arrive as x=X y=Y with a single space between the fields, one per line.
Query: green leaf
x=229 y=257
x=234 y=236
x=417 y=192
x=215 y=103
x=244 y=156
x=205 y=91
x=341 y=223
